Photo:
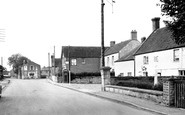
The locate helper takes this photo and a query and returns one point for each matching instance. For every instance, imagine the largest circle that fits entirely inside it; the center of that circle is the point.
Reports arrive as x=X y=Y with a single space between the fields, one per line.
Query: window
x=176 y=55
x=145 y=60
x=112 y=60
x=25 y=67
x=156 y=59
x=83 y=60
x=107 y=61
x=182 y=72
x=121 y=74
x=31 y=67
x=129 y=73
x=73 y=62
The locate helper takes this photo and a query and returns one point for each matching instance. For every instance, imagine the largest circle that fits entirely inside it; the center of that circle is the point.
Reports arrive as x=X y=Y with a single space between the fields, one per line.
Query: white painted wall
x=124 y=67
x=165 y=65
x=110 y=64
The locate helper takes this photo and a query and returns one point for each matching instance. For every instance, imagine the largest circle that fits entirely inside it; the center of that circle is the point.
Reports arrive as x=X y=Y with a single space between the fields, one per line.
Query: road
x=38 y=97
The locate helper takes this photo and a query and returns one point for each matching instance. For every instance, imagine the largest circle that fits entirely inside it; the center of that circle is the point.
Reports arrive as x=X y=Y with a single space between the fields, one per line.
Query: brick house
x=82 y=59
x=30 y=70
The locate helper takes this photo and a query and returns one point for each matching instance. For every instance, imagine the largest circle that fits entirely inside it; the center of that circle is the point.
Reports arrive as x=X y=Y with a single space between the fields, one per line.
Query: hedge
x=139 y=82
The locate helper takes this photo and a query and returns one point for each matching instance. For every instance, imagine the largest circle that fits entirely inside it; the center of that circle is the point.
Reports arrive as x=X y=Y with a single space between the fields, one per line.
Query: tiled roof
x=82 y=52
x=129 y=56
x=159 y=40
x=116 y=48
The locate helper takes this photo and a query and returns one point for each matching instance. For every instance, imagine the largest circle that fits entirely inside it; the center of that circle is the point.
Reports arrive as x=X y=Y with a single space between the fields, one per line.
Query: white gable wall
x=165 y=65
x=111 y=62
x=124 y=68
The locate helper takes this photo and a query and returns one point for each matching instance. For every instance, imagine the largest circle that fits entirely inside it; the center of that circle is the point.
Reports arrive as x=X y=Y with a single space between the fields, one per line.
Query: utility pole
x=102 y=34
x=69 y=64
x=49 y=63
x=54 y=62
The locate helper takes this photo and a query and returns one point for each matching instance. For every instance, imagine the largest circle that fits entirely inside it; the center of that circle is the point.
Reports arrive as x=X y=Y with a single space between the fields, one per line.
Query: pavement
x=147 y=105
x=4 y=83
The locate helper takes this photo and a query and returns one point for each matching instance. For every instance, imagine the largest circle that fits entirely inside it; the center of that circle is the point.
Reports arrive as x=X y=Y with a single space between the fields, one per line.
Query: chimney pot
x=155 y=23
x=143 y=39
x=134 y=35
x=112 y=43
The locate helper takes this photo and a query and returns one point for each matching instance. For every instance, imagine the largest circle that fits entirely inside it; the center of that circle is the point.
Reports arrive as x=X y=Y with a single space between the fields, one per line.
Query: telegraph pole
x=54 y=62
x=69 y=64
x=102 y=34
x=49 y=63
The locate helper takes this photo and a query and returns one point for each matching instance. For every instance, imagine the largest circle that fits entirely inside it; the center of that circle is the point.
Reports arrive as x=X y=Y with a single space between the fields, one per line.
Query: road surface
x=38 y=97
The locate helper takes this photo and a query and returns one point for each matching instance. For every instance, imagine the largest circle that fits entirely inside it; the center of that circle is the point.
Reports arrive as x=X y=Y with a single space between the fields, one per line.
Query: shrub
x=139 y=82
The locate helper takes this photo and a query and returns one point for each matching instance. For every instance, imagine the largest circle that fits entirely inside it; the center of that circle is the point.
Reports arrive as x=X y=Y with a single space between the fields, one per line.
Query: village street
x=38 y=97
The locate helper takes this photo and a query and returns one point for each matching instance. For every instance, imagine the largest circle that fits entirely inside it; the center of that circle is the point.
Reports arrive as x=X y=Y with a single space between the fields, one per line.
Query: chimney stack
x=155 y=23
x=134 y=35
x=143 y=39
x=112 y=43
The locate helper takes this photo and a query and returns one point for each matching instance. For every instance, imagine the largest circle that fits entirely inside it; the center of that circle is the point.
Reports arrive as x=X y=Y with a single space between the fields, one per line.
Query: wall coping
x=152 y=92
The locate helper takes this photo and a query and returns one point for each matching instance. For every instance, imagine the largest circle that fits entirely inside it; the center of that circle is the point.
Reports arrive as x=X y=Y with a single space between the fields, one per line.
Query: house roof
x=129 y=56
x=117 y=47
x=81 y=52
x=159 y=40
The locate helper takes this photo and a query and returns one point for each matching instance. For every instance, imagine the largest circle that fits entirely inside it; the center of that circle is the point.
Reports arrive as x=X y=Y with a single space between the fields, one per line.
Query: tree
x=175 y=9
x=16 y=61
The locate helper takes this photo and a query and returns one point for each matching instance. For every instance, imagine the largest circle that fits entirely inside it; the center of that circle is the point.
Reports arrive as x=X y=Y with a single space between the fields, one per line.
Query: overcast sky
x=33 y=27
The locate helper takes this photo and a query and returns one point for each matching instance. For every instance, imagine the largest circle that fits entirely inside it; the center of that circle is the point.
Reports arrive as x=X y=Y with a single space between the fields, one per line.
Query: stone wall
x=155 y=96
x=87 y=80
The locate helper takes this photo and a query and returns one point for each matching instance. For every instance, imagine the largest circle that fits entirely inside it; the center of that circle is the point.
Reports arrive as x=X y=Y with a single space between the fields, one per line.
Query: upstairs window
x=112 y=60
x=156 y=59
x=176 y=55
x=31 y=67
x=145 y=60
x=73 y=62
x=83 y=60
x=107 y=61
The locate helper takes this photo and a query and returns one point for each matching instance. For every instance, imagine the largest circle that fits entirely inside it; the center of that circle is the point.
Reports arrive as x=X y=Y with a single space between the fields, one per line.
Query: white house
x=125 y=66
x=116 y=51
x=159 y=54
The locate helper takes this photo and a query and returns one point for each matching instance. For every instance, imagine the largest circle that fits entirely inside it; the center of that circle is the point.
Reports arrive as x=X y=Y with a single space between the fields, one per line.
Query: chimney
x=155 y=23
x=143 y=39
x=112 y=43
x=134 y=35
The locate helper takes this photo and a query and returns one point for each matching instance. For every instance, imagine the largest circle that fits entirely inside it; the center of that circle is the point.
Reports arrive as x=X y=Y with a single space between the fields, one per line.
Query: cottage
x=82 y=59
x=117 y=51
x=125 y=66
x=159 y=54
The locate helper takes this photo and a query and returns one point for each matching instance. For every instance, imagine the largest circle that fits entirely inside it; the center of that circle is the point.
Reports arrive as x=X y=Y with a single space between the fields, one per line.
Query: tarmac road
x=37 y=97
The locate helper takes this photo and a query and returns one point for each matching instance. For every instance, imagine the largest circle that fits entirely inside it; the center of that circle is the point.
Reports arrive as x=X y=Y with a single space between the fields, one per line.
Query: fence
x=179 y=90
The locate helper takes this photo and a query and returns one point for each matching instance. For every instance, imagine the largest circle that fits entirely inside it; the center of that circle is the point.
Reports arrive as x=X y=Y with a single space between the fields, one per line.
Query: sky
x=33 y=27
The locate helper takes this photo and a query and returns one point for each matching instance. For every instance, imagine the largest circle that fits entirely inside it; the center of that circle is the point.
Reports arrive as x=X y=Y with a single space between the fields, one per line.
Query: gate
x=179 y=88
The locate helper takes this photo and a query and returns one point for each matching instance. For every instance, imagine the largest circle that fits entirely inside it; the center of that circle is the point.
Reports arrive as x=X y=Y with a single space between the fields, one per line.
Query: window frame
x=73 y=62
x=176 y=55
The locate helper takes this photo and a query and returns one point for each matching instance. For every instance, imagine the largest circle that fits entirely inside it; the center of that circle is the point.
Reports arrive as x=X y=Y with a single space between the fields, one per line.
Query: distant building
x=57 y=67
x=82 y=59
x=45 y=71
x=30 y=70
